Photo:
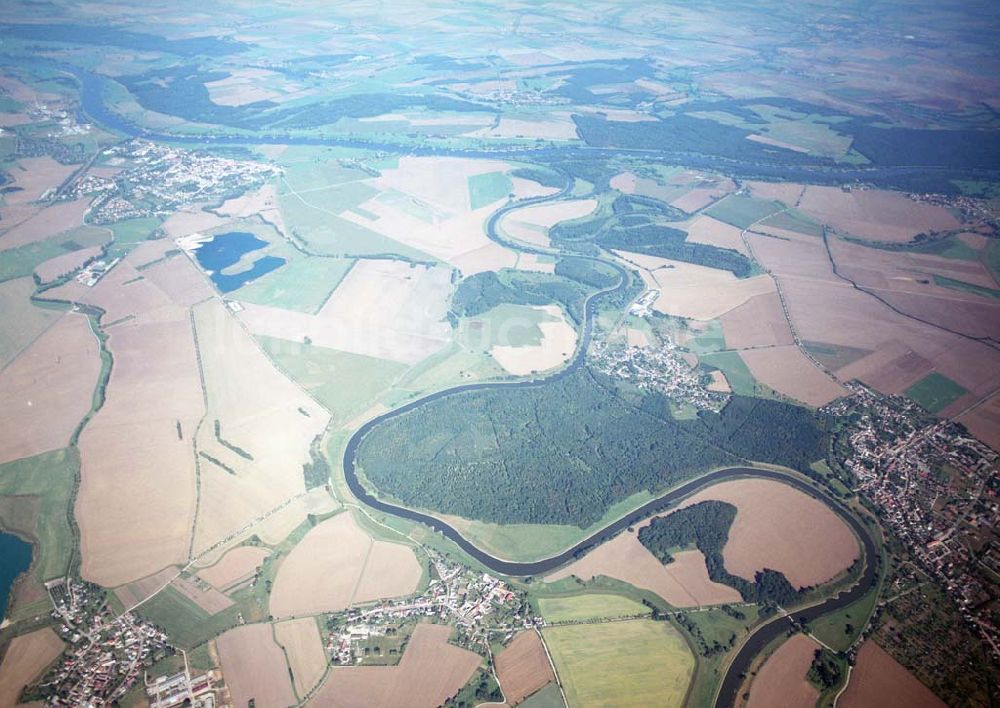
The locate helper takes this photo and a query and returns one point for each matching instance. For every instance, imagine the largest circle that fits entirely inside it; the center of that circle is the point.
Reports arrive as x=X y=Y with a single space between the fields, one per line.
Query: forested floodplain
x=564 y=451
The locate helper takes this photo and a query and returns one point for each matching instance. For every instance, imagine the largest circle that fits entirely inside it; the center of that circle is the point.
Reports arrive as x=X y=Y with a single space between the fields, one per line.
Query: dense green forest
x=564 y=451
x=635 y=225
x=589 y=272
x=706 y=526
x=482 y=292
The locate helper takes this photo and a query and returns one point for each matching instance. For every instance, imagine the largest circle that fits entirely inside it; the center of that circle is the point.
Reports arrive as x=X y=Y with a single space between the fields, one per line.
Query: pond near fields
x=15 y=558
x=223 y=251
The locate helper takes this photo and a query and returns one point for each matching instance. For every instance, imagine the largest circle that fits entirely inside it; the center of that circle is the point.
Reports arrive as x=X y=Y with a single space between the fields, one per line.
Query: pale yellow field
x=235 y=566
x=430 y=671
x=705 y=229
x=48 y=389
x=131 y=448
x=254 y=667
x=759 y=322
x=531 y=224
x=26 y=659
x=787 y=193
x=719 y=382
x=191 y=220
x=781 y=682
x=557 y=346
x=779 y=527
x=66 y=263
x=384 y=309
x=683 y=583
x=694 y=291
x=304 y=648
x=787 y=370
x=324 y=572
x=259 y=411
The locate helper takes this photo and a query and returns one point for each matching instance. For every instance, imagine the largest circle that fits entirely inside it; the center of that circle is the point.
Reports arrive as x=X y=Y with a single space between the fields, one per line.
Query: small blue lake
x=225 y=250
x=15 y=558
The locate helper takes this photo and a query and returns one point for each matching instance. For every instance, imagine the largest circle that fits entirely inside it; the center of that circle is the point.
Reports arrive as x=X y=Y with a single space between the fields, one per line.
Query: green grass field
x=506 y=324
x=49 y=478
x=488 y=188
x=134 y=230
x=711 y=339
x=589 y=607
x=325 y=232
x=835 y=356
x=946 y=282
x=935 y=391
x=736 y=371
x=346 y=384
x=548 y=696
x=303 y=284
x=796 y=221
x=638 y=662
x=742 y=211
x=529 y=542
x=838 y=630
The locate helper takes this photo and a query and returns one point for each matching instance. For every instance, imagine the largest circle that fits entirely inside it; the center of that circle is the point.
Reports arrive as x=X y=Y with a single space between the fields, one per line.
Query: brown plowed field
x=879 y=680
x=523 y=667
x=781 y=681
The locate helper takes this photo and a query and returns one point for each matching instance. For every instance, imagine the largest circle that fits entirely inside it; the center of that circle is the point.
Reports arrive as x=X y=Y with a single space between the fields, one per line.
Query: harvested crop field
x=788 y=371
x=48 y=389
x=683 y=583
x=902 y=350
x=23 y=321
x=431 y=671
x=265 y=427
x=254 y=667
x=713 y=232
x=235 y=567
x=781 y=682
x=383 y=308
x=879 y=680
x=779 y=527
x=523 y=667
x=556 y=346
x=325 y=571
x=131 y=448
x=532 y=224
x=632 y=663
x=66 y=263
x=26 y=659
x=304 y=648
x=694 y=291
x=759 y=322
x=984 y=422
x=135 y=592
x=55 y=219
x=787 y=193
x=203 y=595
x=875 y=214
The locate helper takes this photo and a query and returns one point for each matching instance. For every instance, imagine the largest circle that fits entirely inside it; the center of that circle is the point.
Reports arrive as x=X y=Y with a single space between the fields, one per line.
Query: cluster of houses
x=936 y=488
